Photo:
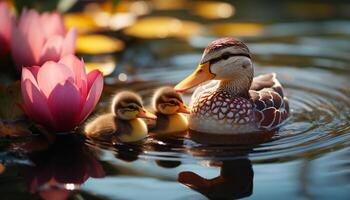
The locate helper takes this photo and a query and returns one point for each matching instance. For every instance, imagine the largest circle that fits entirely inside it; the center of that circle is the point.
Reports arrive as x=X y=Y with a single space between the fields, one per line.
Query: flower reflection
x=63 y=167
x=235 y=180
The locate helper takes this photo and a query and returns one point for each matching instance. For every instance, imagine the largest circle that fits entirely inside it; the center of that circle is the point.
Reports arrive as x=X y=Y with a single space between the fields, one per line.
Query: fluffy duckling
x=123 y=121
x=168 y=106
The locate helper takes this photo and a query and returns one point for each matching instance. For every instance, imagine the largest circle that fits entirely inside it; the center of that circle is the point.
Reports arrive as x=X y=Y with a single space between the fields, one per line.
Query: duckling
x=123 y=120
x=169 y=106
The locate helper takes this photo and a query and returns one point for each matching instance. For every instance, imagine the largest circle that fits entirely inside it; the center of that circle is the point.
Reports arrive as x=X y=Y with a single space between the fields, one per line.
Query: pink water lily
x=60 y=95
x=6 y=21
x=40 y=38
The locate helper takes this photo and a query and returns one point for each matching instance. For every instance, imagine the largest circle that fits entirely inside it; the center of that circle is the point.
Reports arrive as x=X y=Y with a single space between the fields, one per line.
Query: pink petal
x=65 y=105
x=51 y=74
x=78 y=68
x=28 y=75
x=69 y=42
x=34 y=70
x=52 y=49
x=35 y=104
x=93 y=97
x=21 y=53
x=6 y=21
x=30 y=27
x=91 y=77
x=52 y=24
x=25 y=19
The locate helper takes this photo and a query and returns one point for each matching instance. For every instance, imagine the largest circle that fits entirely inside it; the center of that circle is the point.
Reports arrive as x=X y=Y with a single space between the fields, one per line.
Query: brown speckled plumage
x=226 y=42
x=239 y=104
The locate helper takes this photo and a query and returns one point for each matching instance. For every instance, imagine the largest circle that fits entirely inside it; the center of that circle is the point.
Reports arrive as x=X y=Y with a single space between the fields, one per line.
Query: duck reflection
x=235 y=180
x=62 y=168
x=128 y=152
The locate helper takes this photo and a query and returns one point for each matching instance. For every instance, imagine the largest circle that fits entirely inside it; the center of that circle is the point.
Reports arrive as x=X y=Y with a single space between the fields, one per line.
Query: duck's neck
x=238 y=87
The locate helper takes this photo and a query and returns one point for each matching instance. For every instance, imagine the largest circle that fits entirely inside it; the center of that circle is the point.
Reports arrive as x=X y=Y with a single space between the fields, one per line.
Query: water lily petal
x=69 y=42
x=91 y=77
x=52 y=74
x=52 y=24
x=29 y=25
x=52 y=49
x=28 y=75
x=93 y=96
x=6 y=21
x=78 y=68
x=19 y=49
x=35 y=104
x=65 y=105
x=34 y=70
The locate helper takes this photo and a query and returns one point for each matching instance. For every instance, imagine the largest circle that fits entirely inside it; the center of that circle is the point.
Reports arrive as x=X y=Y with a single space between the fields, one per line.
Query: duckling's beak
x=184 y=109
x=199 y=76
x=146 y=114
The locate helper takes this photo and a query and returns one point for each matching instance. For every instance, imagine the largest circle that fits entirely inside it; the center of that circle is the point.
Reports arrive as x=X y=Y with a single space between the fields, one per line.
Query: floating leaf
x=82 y=22
x=237 y=29
x=213 y=9
x=2 y=168
x=106 y=68
x=98 y=44
x=14 y=129
x=162 y=27
x=10 y=96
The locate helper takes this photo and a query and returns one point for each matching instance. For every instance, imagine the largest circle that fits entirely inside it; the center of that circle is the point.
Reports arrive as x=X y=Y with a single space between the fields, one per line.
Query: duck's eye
x=172 y=102
x=225 y=56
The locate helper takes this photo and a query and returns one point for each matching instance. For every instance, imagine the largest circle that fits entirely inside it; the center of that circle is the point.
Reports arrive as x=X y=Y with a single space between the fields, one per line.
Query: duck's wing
x=271 y=107
x=101 y=127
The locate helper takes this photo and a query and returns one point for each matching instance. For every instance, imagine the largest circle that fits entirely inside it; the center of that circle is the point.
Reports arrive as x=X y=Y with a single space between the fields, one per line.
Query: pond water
x=307 y=158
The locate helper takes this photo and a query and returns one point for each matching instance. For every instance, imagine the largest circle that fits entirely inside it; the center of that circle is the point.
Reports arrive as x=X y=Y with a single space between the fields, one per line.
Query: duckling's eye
x=131 y=107
x=225 y=56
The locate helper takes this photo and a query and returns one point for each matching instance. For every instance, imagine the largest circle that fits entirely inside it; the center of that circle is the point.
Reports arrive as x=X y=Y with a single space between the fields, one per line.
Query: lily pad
x=163 y=27
x=105 y=67
x=98 y=44
x=82 y=22
x=10 y=96
x=237 y=29
x=213 y=9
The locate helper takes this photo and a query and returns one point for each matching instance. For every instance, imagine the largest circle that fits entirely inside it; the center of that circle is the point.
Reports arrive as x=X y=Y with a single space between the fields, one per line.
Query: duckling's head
x=224 y=59
x=167 y=101
x=128 y=105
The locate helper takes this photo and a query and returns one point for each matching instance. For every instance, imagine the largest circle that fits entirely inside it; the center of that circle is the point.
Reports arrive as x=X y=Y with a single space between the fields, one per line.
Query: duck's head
x=224 y=59
x=167 y=101
x=128 y=105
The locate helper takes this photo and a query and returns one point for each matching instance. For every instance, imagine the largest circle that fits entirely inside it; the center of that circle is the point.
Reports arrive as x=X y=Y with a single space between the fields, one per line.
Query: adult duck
x=233 y=102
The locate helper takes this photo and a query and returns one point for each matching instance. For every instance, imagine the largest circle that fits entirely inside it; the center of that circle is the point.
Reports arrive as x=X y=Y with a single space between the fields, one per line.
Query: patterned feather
x=271 y=107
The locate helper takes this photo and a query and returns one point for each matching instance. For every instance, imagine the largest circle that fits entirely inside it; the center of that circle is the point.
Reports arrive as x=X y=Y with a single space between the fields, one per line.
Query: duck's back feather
x=271 y=107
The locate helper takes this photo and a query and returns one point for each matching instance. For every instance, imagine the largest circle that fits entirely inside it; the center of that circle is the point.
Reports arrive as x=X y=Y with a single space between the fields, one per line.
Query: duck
x=123 y=121
x=170 y=110
x=229 y=99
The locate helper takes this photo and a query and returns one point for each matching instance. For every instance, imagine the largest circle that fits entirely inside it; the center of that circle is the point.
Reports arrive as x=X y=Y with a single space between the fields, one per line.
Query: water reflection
x=235 y=180
x=62 y=168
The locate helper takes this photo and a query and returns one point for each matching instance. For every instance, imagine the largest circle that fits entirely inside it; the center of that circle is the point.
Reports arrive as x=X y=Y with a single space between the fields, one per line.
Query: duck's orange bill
x=146 y=114
x=199 y=76
x=184 y=109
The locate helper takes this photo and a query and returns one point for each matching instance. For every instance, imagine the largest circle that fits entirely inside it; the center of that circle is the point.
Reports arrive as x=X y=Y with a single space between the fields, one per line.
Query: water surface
x=307 y=158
